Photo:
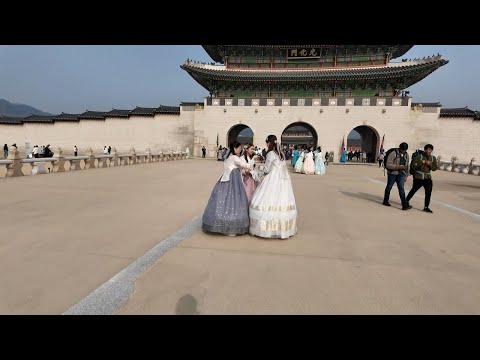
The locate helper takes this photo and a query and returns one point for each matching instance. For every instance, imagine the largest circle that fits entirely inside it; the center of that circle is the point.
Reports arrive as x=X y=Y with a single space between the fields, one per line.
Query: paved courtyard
x=127 y=240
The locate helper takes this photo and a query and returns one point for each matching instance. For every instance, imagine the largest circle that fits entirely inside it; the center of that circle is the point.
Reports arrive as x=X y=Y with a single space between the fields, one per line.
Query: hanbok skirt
x=299 y=165
x=309 y=166
x=250 y=186
x=319 y=166
x=273 y=210
x=227 y=209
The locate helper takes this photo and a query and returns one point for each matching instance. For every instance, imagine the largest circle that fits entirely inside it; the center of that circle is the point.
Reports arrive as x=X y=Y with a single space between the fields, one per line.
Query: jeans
x=417 y=184
x=400 y=180
x=5 y=153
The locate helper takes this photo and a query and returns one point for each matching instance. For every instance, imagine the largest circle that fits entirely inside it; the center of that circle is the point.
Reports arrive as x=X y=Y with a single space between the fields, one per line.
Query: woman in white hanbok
x=273 y=210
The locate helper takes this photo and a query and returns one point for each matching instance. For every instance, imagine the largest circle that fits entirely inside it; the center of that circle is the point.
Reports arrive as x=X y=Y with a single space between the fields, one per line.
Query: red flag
x=381 y=146
x=343 y=144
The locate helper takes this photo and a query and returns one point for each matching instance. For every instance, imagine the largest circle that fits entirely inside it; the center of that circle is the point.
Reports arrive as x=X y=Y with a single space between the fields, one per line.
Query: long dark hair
x=233 y=146
x=249 y=145
x=273 y=139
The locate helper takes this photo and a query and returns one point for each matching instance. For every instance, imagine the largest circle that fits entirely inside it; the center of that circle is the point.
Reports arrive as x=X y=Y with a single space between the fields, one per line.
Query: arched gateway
x=241 y=133
x=364 y=139
x=300 y=134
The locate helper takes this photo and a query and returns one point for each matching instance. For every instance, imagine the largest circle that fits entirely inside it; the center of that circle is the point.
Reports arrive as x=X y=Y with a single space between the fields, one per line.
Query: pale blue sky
x=75 y=78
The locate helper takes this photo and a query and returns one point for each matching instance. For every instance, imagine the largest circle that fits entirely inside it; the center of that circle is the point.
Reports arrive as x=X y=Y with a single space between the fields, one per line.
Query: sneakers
x=404 y=207
x=428 y=210
x=407 y=206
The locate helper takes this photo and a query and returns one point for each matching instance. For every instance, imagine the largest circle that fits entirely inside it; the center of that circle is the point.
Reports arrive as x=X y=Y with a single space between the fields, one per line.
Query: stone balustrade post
x=114 y=160
x=75 y=165
x=59 y=165
x=102 y=162
x=15 y=168
x=133 y=156
x=148 y=158
x=90 y=162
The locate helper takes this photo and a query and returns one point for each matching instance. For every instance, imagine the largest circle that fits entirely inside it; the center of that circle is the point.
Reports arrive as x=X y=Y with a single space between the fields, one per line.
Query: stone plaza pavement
x=68 y=236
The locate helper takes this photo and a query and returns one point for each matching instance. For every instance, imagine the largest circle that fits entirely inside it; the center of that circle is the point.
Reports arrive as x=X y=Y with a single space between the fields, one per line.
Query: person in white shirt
x=227 y=209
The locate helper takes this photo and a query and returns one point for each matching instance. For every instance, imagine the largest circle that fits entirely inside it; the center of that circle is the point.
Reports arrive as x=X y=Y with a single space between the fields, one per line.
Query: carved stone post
x=15 y=168
x=114 y=161
x=90 y=162
x=148 y=158
x=59 y=165
x=133 y=156
x=75 y=165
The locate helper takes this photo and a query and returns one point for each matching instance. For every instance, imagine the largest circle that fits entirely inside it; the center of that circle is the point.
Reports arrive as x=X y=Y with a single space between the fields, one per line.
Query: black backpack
x=386 y=157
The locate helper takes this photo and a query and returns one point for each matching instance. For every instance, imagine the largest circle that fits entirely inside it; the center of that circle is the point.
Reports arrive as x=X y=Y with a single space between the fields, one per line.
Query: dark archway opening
x=300 y=134
x=241 y=133
x=362 y=139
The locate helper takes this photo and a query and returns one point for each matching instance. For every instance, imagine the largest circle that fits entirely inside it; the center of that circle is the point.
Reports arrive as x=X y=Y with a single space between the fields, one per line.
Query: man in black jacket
x=423 y=164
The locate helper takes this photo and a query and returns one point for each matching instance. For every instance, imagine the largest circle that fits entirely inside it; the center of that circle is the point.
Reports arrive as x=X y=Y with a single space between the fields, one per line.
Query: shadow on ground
x=186 y=305
x=361 y=195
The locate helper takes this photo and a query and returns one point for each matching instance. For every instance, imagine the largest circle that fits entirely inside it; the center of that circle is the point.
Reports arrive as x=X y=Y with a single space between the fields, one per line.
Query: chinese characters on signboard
x=303 y=53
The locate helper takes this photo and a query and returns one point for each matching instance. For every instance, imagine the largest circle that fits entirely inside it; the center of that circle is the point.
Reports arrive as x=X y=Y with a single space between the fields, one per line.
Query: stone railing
x=14 y=163
x=453 y=165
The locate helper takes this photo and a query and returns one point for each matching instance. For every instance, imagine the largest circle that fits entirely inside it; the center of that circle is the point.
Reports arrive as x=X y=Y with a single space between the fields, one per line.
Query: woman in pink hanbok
x=248 y=180
x=309 y=164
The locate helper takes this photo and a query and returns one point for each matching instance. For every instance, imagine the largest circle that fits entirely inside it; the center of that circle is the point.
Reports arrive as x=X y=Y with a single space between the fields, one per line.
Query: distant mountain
x=18 y=110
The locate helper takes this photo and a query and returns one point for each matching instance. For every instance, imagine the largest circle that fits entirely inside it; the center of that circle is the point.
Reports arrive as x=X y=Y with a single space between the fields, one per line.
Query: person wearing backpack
x=380 y=159
x=397 y=165
x=422 y=164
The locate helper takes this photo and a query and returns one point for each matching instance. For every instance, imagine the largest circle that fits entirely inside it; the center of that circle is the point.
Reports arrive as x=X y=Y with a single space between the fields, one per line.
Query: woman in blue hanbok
x=319 y=163
x=299 y=162
x=296 y=153
x=344 y=156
